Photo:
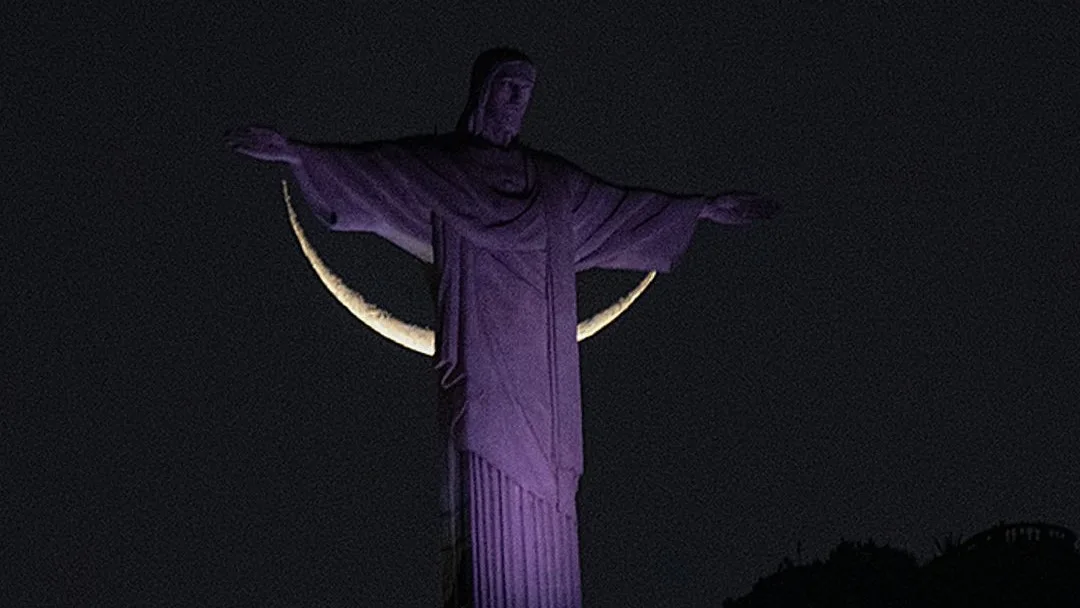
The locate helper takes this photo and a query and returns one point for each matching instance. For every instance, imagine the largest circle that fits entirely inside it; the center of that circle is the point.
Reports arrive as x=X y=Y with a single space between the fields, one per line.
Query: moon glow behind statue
x=413 y=337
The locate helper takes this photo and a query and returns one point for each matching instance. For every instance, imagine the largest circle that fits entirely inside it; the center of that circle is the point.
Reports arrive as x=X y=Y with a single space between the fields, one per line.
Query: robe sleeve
x=381 y=187
x=632 y=228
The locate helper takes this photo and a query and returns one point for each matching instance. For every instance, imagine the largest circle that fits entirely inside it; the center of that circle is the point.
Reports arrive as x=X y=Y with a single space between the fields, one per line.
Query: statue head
x=499 y=94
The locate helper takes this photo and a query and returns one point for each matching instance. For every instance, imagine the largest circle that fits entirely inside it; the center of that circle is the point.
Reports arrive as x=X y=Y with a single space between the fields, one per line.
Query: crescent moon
x=414 y=337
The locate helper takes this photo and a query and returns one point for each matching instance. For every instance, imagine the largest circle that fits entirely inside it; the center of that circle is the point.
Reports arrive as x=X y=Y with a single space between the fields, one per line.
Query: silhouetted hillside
x=1017 y=565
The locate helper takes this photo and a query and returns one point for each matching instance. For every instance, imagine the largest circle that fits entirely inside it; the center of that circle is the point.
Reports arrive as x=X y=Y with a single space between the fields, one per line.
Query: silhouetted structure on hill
x=1035 y=535
x=1022 y=565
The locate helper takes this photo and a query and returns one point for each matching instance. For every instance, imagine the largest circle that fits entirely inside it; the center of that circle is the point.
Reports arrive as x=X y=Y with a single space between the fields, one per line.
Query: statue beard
x=502 y=126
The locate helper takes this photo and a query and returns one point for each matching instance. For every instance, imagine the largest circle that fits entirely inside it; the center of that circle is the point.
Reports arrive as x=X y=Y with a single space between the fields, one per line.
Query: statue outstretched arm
x=378 y=187
x=739 y=208
x=627 y=228
x=618 y=227
x=262 y=143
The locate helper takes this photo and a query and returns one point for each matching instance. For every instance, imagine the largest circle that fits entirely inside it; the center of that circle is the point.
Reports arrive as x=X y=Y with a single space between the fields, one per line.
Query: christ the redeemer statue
x=506 y=227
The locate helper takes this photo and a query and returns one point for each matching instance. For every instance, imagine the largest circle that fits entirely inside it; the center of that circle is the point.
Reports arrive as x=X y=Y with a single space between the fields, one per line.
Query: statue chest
x=507 y=173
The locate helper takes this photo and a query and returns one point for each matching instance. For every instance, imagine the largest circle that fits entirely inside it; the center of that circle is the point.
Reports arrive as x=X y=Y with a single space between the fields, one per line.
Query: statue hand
x=740 y=208
x=263 y=144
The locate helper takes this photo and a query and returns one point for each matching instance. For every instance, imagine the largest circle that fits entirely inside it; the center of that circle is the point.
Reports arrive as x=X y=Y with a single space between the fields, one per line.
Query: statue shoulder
x=426 y=147
x=552 y=162
x=427 y=142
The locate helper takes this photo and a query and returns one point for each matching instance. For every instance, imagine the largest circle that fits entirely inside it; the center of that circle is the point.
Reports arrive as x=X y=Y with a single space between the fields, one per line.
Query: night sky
x=187 y=417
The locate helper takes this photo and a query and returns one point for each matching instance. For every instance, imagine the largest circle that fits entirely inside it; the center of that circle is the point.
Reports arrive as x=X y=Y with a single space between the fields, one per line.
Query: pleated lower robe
x=505 y=546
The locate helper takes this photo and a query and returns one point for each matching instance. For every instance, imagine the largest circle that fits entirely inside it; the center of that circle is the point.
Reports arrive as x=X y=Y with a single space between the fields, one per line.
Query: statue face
x=508 y=99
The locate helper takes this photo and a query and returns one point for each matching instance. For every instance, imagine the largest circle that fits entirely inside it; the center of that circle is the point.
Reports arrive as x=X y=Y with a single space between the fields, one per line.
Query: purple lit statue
x=506 y=227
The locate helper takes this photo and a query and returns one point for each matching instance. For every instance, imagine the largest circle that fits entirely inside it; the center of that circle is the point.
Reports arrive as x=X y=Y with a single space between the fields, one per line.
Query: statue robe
x=506 y=229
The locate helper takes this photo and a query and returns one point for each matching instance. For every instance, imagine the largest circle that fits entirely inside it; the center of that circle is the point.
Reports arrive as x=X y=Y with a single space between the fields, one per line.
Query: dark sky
x=188 y=418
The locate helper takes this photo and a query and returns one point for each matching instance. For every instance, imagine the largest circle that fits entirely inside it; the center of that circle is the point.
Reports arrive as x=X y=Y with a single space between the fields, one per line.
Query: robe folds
x=506 y=230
